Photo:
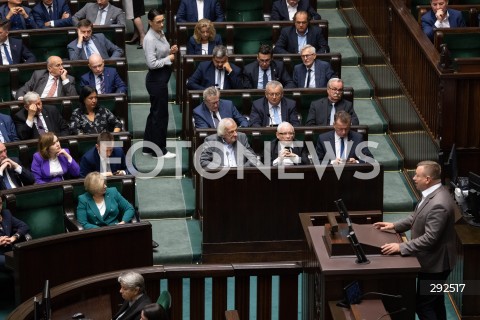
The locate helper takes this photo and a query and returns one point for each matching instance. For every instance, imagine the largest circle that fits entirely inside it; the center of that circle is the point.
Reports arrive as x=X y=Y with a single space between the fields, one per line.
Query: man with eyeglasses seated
x=227 y=148
x=295 y=37
x=339 y=145
x=257 y=73
x=285 y=150
x=322 y=111
x=312 y=73
x=273 y=109
x=213 y=109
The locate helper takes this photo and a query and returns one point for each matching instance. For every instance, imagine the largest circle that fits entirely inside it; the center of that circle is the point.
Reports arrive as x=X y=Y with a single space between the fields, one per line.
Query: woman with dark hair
x=153 y=311
x=52 y=163
x=91 y=118
x=134 y=10
x=204 y=38
x=159 y=56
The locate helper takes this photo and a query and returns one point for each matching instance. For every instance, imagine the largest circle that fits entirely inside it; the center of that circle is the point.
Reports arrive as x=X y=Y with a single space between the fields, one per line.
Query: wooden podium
x=367 y=309
x=395 y=275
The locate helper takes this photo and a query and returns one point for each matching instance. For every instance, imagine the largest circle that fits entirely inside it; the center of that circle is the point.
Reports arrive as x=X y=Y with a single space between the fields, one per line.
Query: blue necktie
x=265 y=78
x=87 y=47
x=7 y=54
x=102 y=83
x=342 y=147
x=50 y=12
x=276 y=116
x=5 y=180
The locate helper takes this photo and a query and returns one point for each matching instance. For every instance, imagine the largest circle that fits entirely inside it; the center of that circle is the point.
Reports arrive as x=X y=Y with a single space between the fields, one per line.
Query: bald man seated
x=104 y=79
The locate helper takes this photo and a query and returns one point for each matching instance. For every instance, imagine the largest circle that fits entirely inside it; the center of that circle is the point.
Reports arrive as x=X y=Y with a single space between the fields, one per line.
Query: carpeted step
x=179 y=241
x=385 y=152
x=369 y=114
x=137 y=117
x=397 y=195
x=159 y=198
x=138 y=92
x=326 y=4
x=416 y=146
x=336 y=25
x=355 y=78
x=342 y=44
x=401 y=113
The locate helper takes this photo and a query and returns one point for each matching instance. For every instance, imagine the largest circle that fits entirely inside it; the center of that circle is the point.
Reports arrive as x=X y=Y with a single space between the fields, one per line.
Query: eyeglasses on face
x=286 y=133
x=306 y=56
x=274 y=94
x=335 y=89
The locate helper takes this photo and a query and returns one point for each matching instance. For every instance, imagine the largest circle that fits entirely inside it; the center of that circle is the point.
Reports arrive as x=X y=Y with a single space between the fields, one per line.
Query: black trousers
x=157 y=121
x=430 y=306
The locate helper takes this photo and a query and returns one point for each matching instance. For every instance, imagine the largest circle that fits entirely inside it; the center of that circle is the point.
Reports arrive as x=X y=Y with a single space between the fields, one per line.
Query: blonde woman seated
x=101 y=206
x=52 y=163
x=204 y=38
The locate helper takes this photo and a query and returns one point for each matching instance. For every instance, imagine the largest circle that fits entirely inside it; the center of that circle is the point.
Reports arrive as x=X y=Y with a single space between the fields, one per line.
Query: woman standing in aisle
x=134 y=10
x=159 y=56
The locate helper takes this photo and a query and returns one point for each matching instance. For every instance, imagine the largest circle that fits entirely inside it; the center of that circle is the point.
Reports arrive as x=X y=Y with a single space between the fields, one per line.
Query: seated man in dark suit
x=88 y=43
x=100 y=13
x=104 y=79
x=218 y=72
x=339 y=145
x=322 y=111
x=312 y=73
x=20 y=17
x=132 y=288
x=35 y=119
x=285 y=150
x=8 y=132
x=257 y=74
x=213 y=109
x=188 y=11
x=13 y=175
x=284 y=10
x=441 y=17
x=12 y=50
x=104 y=158
x=294 y=38
x=53 y=82
x=227 y=148
x=273 y=108
x=52 y=13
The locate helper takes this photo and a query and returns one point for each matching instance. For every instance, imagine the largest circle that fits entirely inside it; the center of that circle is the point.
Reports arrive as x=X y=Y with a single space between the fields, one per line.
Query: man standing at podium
x=433 y=239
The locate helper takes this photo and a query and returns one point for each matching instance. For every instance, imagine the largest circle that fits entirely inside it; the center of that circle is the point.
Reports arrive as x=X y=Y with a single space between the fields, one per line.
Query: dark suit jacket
x=11 y=225
x=91 y=161
x=52 y=117
x=28 y=23
x=455 y=19
x=39 y=80
x=105 y=47
x=211 y=147
x=20 y=53
x=299 y=151
x=320 y=110
x=203 y=116
x=288 y=41
x=24 y=179
x=7 y=127
x=204 y=77
x=134 y=312
x=196 y=48
x=323 y=73
x=90 y=11
x=113 y=82
x=41 y=16
x=432 y=232
x=41 y=169
x=260 y=116
x=187 y=11
x=277 y=70
x=354 y=138
x=280 y=10
x=117 y=209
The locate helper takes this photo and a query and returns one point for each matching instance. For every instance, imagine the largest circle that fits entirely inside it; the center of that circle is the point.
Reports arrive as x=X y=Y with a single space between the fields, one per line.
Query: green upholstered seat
x=244 y=5
x=244 y=15
x=463 y=45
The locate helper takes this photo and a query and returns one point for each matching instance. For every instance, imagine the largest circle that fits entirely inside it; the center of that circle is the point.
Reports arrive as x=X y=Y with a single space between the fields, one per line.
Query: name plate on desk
x=370 y=238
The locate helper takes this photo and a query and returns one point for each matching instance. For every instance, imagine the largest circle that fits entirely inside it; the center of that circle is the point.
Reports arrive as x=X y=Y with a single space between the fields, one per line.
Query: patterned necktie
x=276 y=116
x=332 y=114
x=7 y=54
x=53 y=88
x=87 y=48
x=50 y=12
x=265 y=78
x=7 y=183
x=40 y=128
x=102 y=84
x=307 y=84
x=215 y=119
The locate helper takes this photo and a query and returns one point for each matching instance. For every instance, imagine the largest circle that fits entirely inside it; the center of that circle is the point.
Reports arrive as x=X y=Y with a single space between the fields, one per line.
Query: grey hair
x=308 y=46
x=30 y=97
x=132 y=280
x=210 y=92
x=284 y=124
x=334 y=80
x=274 y=84
x=222 y=126
x=219 y=51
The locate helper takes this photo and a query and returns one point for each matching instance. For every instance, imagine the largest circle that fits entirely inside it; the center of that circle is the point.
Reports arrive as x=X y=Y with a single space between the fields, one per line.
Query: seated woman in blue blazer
x=101 y=206
x=204 y=38
x=52 y=163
